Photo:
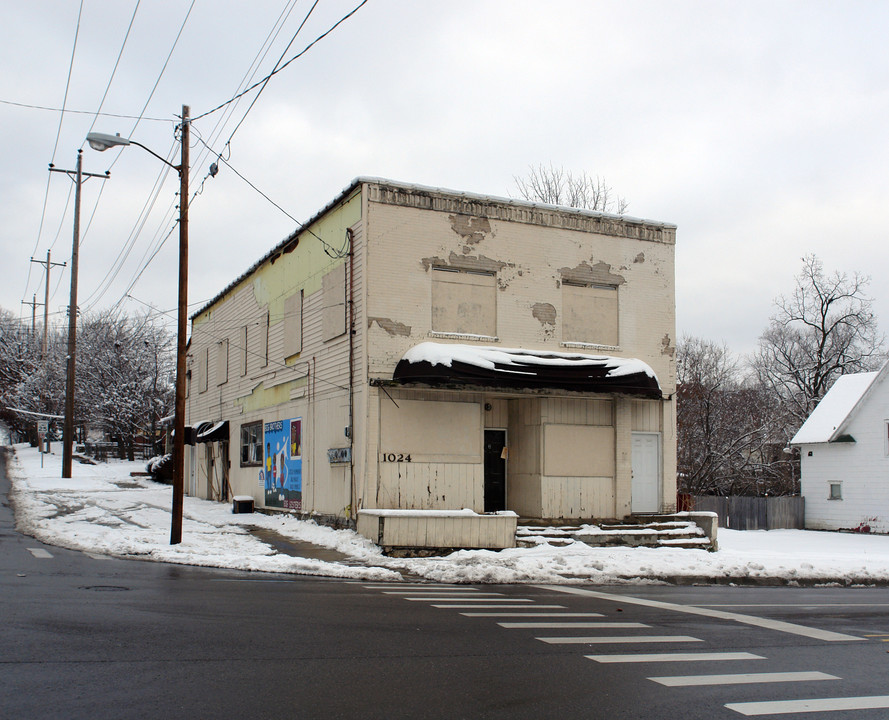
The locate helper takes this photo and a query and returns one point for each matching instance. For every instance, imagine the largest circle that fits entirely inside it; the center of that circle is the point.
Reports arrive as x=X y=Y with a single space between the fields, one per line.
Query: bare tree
x=728 y=432
x=557 y=186
x=824 y=329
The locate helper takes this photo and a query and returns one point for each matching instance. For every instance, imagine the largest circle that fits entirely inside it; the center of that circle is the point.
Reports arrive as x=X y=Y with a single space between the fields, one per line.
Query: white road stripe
x=442 y=598
x=443 y=593
x=768 y=624
x=675 y=657
x=783 y=707
x=626 y=639
x=96 y=556
x=571 y=625
x=40 y=553
x=531 y=614
x=495 y=607
x=415 y=586
x=741 y=678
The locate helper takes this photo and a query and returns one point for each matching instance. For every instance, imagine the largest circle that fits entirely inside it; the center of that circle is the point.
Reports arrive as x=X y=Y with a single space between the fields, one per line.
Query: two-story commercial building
x=422 y=349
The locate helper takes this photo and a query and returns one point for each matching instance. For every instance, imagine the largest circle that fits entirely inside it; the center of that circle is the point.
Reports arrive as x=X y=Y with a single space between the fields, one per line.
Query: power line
x=28 y=106
x=295 y=57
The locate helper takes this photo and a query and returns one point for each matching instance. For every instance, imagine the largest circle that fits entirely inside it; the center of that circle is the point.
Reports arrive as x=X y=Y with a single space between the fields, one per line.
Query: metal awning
x=211 y=431
x=456 y=364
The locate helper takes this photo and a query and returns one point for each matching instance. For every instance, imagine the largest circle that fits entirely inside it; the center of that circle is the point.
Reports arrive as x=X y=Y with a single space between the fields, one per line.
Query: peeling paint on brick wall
x=544 y=313
x=465 y=262
x=472 y=229
x=393 y=327
x=600 y=274
x=640 y=258
x=667 y=346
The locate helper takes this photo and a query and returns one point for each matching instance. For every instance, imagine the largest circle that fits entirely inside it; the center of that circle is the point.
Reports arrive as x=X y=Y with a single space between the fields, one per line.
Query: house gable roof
x=836 y=409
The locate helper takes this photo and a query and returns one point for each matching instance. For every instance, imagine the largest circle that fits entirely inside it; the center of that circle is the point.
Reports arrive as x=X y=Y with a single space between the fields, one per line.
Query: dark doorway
x=495 y=470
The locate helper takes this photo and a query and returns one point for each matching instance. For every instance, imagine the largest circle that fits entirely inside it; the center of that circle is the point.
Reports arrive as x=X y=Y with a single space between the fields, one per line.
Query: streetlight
x=101 y=142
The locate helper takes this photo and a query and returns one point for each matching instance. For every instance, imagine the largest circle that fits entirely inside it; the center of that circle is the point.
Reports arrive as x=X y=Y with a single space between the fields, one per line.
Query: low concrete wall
x=438 y=528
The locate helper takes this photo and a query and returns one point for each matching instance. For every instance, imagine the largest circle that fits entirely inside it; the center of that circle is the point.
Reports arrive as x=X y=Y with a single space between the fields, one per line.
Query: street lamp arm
x=177 y=168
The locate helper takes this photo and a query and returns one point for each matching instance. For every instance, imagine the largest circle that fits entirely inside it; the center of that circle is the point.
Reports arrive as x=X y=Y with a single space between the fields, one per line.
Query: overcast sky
x=758 y=128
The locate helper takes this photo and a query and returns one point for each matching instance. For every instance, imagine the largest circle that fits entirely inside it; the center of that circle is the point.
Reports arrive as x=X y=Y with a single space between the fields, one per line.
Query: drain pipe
x=352 y=490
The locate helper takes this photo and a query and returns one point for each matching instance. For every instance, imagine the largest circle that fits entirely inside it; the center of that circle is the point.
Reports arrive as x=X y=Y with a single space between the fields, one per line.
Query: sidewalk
x=104 y=510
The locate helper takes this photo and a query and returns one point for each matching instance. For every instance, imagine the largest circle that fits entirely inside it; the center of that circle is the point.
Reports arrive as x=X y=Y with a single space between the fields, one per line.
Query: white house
x=844 y=453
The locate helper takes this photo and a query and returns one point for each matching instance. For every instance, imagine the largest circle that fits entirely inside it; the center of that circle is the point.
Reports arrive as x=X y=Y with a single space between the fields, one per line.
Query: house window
x=836 y=491
x=251 y=444
x=464 y=302
x=589 y=313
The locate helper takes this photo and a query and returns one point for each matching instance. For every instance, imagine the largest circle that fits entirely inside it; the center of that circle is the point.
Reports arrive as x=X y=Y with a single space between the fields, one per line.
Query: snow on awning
x=211 y=431
x=445 y=363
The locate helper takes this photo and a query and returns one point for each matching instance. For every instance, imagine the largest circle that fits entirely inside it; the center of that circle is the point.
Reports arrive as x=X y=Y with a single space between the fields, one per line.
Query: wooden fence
x=750 y=513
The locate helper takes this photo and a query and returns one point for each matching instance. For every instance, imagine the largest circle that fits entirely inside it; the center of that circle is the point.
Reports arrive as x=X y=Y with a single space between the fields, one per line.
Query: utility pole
x=48 y=264
x=68 y=430
x=179 y=422
x=33 y=305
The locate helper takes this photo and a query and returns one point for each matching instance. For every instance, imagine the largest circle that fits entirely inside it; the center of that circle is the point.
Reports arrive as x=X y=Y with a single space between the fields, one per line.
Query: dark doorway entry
x=495 y=470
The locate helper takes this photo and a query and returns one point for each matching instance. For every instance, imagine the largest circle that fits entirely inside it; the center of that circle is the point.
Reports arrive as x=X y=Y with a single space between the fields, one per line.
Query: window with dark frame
x=251 y=444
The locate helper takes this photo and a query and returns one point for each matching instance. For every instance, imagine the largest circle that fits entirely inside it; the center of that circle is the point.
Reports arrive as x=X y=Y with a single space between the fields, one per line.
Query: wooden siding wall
x=277 y=385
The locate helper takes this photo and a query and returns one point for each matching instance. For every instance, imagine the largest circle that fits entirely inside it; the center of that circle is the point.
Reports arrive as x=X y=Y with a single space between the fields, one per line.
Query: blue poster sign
x=283 y=464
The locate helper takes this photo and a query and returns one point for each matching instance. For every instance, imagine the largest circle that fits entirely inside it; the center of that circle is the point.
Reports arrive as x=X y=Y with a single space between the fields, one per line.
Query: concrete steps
x=671 y=531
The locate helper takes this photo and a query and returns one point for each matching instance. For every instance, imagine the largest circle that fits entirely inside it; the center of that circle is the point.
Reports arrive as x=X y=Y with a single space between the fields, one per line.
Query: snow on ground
x=104 y=510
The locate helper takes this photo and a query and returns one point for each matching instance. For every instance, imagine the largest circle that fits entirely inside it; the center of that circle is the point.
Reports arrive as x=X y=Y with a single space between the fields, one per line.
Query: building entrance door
x=646 y=473
x=495 y=470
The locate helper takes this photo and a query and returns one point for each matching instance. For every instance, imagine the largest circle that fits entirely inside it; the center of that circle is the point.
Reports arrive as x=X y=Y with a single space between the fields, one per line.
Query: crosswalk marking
x=607 y=639
x=495 y=607
x=675 y=657
x=441 y=598
x=436 y=591
x=410 y=595
x=767 y=623
x=570 y=625
x=531 y=614
x=741 y=678
x=40 y=553
x=784 y=707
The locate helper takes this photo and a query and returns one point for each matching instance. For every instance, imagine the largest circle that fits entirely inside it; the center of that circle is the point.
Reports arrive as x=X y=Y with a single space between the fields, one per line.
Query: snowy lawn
x=104 y=510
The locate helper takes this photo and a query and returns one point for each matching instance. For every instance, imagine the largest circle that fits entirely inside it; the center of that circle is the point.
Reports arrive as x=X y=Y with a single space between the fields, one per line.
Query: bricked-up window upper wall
x=203 y=369
x=333 y=303
x=222 y=362
x=293 y=324
x=464 y=302
x=590 y=313
x=251 y=444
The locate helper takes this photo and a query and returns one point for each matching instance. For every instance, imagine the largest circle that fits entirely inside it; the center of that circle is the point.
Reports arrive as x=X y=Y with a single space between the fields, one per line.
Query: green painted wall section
x=304 y=266
x=262 y=398
x=308 y=262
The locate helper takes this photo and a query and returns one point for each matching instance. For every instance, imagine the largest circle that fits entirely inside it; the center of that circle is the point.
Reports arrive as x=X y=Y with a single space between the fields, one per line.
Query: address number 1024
x=395 y=457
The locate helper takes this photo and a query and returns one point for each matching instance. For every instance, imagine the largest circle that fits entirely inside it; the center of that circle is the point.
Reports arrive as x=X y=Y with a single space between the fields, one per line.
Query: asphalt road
x=85 y=637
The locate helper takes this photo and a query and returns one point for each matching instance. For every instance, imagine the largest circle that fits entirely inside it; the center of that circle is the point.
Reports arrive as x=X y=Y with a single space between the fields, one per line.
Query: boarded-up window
x=222 y=362
x=464 y=302
x=589 y=313
x=431 y=431
x=293 y=324
x=204 y=368
x=333 y=303
x=263 y=338
x=242 y=349
x=578 y=451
